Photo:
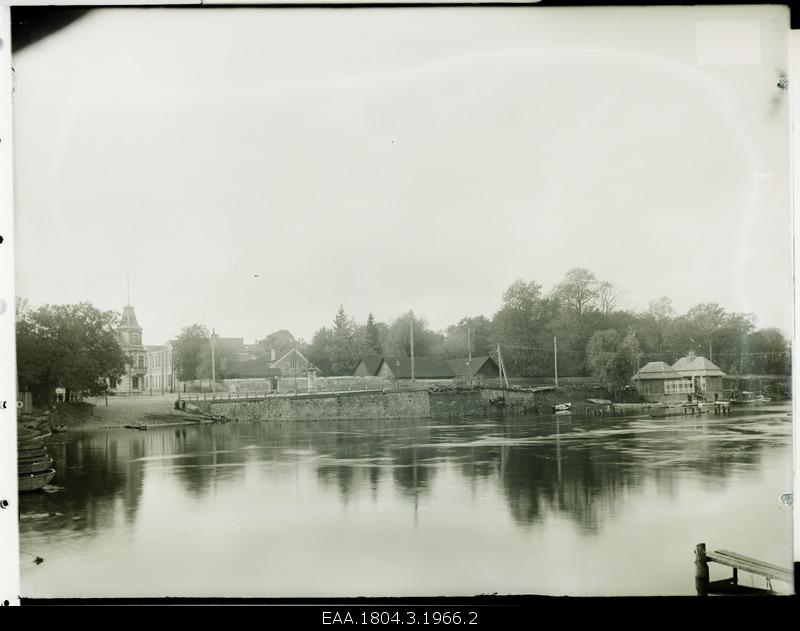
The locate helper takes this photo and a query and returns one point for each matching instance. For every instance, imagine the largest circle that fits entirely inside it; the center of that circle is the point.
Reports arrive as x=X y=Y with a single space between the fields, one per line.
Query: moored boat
x=749 y=398
x=562 y=407
x=35 y=481
x=31 y=453
x=35 y=466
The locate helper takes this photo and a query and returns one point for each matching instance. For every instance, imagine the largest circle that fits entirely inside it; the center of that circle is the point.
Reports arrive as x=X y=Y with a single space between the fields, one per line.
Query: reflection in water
x=434 y=496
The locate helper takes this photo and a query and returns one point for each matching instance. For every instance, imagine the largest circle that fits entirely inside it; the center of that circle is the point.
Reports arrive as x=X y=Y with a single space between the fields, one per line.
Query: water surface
x=531 y=505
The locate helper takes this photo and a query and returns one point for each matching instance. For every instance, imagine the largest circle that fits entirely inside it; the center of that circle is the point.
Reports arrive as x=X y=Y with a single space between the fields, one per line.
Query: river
x=529 y=505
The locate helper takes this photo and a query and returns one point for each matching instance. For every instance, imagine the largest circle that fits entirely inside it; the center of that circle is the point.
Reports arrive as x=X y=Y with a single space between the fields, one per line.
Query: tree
x=578 y=290
x=607 y=297
x=372 y=339
x=480 y=338
x=661 y=309
x=522 y=328
x=768 y=354
x=190 y=349
x=72 y=346
x=343 y=351
x=318 y=351
x=397 y=340
x=279 y=341
x=611 y=358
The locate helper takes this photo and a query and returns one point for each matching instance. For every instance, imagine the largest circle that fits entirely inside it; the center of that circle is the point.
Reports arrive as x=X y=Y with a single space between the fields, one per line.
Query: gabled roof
x=294 y=350
x=657 y=370
x=459 y=366
x=697 y=365
x=424 y=367
x=252 y=368
x=371 y=364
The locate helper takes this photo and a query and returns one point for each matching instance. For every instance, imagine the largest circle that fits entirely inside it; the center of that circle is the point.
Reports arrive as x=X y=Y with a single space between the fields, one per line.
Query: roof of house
x=153 y=349
x=249 y=368
x=657 y=370
x=459 y=366
x=129 y=319
x=294 y=350
x=371 y=364
x=697 y=365
x=424 y=367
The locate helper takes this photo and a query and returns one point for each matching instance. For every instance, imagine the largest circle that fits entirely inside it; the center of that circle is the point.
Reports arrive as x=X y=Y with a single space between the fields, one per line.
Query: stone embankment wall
x=374 y=404
x=321 y=407
x=515 y=402
x=457 y=404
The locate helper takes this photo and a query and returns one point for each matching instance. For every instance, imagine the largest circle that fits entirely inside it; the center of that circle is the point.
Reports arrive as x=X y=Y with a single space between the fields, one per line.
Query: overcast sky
x=252 y=169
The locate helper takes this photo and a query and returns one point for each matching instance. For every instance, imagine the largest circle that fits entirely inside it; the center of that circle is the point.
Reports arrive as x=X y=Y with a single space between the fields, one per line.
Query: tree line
x=595 y=336
x=76 y=346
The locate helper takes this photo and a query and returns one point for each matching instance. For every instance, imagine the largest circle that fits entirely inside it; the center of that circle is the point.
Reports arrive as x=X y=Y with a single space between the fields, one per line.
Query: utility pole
x=555 y=358
x=213 y=363
x=295 y=369
x=469 y=362
x=411 y=325
x=501 y=366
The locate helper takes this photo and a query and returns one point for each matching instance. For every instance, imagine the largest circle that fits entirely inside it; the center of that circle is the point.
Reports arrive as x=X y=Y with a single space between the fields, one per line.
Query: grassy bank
x=120 y=411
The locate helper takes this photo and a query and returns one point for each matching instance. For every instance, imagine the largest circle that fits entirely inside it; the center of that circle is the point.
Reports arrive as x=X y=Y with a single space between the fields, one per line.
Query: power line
x=664 y=354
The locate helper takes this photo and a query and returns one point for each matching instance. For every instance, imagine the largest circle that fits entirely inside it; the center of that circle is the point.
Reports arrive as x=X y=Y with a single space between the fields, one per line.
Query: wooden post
x=555 y=358
x=411 y=335
x=700 y=570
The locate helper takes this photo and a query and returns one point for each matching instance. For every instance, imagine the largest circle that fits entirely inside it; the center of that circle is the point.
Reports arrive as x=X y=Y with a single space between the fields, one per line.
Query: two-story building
x=160 y=377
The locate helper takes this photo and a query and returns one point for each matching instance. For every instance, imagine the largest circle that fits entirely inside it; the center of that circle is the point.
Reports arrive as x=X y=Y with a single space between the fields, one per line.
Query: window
x=141 y=361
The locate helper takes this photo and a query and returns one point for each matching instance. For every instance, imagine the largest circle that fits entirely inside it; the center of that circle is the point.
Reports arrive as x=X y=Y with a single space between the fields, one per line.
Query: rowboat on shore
x=27 y=443
x=35 y=481
x=35 y=466
x=562 y=407
x=22 y=454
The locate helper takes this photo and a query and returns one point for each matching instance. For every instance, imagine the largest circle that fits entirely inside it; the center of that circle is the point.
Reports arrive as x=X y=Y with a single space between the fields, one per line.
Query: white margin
x=9 y=516
x=794 y=118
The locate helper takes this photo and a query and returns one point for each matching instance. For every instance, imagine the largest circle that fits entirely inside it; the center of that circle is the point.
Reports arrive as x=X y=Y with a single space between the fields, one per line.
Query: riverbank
x=94 y=414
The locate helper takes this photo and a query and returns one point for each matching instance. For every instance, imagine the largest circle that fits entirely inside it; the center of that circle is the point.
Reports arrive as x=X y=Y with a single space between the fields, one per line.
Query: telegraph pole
x=411 y=324
x=213 y=364
x=555 y=358
x=469 y=362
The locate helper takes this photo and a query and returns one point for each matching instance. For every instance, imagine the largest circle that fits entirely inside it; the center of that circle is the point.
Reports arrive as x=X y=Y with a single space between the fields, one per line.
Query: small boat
x=140 y=426
x=35 y=481
x=35 y=466
x=31 y=453
x=748 y=398
x=59 y=429
x=28 y=436
x=562 y=407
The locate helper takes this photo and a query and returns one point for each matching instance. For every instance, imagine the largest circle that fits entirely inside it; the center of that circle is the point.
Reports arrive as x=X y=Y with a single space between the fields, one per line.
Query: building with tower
x=130 y=340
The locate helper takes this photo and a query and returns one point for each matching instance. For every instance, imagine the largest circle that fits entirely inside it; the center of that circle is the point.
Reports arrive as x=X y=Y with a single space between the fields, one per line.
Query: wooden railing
x=737 y=562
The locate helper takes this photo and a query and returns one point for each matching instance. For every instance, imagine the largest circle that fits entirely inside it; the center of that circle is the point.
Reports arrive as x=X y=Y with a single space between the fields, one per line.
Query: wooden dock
x=738 y=562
